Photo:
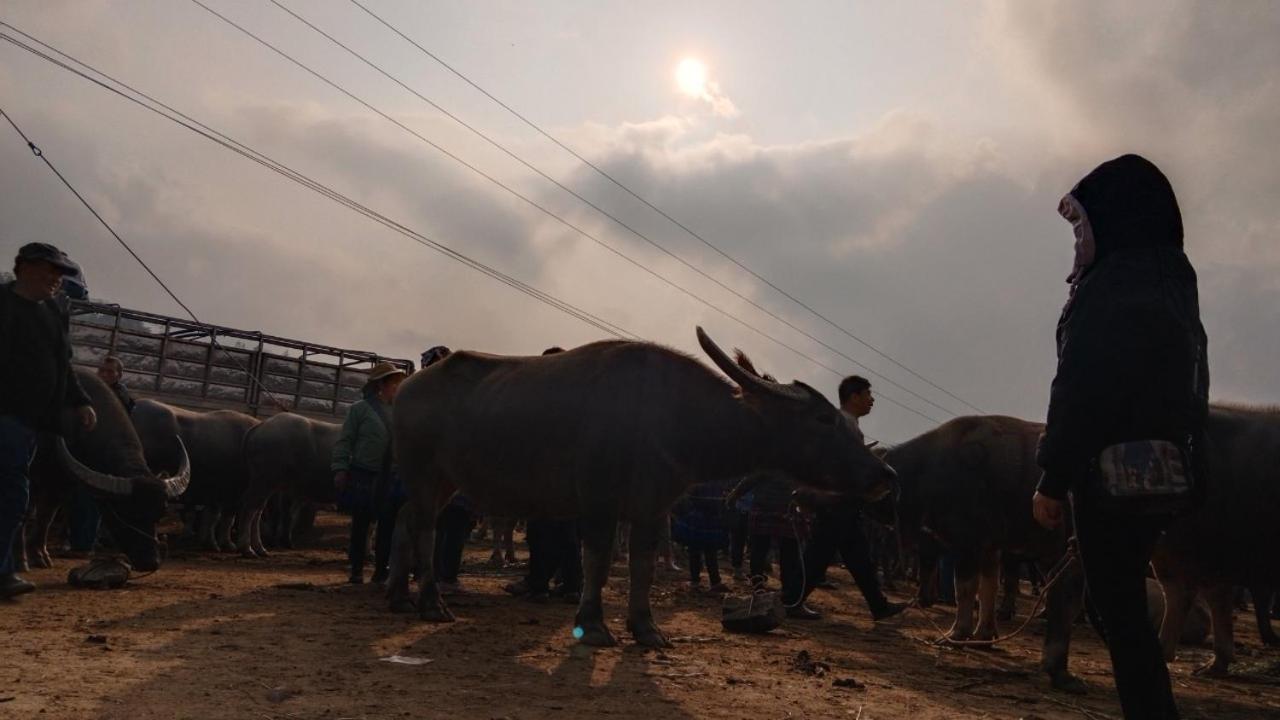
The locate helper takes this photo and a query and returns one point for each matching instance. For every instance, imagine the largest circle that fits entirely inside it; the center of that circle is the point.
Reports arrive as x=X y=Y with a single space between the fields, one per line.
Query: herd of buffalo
x=614 y=433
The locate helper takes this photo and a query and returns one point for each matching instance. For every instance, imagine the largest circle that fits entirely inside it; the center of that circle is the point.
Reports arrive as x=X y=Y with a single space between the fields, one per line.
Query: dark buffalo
x=287 y=454
x=110 y=461
x=1230 y=539
x=608 y=431
x=215 y=442
x=966 y=489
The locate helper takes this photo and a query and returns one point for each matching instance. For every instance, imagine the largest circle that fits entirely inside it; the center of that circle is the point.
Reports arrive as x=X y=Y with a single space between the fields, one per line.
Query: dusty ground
x=213 y=636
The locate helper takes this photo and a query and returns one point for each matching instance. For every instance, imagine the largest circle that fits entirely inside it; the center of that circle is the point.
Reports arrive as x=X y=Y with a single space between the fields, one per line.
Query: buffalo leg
x=1179 y=596
x=1262 y=600
x=644 y=546
x=208 y=531
x=597 y=556
x=966 y=592
x=255 y=537
x=988 y=584
x=1221 y=610
x=1062 y=606
x=222 y=531
x=402 y=560
x=431 y=607
x=38 y=550
x=1011 y=583
x=248 y=517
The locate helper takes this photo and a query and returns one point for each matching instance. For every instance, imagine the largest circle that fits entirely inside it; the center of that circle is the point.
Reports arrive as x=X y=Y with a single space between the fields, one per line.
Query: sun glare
x=691 y=77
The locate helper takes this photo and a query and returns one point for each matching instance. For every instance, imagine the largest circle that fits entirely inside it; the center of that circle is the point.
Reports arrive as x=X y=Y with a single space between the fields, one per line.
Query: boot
x=12 y=586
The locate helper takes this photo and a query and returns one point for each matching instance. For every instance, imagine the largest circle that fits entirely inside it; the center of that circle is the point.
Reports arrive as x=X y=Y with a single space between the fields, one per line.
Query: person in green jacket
x=362 y=467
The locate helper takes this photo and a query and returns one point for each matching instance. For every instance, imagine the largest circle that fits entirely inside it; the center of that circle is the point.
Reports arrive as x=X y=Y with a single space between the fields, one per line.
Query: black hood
x=1130 y=204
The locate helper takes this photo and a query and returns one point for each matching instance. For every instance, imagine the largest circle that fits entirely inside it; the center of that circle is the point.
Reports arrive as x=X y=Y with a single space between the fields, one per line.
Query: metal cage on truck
x=206 y=367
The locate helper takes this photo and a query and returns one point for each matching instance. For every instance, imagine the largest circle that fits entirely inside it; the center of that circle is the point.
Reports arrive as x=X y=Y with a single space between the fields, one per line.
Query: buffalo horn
x=112 y=484
x=748 y=381
x=175 y=485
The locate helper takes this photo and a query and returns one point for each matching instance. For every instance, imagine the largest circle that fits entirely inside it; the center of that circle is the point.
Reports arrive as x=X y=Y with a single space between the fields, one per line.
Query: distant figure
x=840 y=528
x=36 y=385
x=699 y=526
x=363 y=470
x=1132 y=368
x=112 y=373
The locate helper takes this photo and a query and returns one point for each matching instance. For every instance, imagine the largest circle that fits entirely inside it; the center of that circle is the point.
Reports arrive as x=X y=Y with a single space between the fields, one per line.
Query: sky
x=894 y=166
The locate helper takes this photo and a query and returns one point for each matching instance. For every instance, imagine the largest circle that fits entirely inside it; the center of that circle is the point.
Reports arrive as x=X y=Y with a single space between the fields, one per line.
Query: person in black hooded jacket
x=1132 y=365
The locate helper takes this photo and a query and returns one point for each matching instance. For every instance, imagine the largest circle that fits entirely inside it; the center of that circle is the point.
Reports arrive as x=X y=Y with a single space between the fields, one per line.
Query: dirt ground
x=216 y=636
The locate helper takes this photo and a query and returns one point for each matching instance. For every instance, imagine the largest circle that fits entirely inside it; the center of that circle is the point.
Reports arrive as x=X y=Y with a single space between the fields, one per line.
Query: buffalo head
x=807 y=437
x=131 y=506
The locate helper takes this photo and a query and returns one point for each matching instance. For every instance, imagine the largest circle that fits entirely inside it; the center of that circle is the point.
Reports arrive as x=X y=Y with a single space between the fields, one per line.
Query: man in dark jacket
x=1132 y=366
x=36 y=385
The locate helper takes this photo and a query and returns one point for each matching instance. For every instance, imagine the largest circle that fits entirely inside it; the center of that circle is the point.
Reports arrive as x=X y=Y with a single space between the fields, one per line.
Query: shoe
x=518 y=588
x=11 y=586
x=889 y=610
x=803 y=612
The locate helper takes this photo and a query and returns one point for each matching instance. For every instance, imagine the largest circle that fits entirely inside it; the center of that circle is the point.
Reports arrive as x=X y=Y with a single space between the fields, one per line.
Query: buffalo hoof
x=647 y=634
x=248 y=554
x=40 y=560
x=1213 y=669
x=261 y=552
x=401 y=605
x=1068 y=683
x=597 y=635
x=435 y=614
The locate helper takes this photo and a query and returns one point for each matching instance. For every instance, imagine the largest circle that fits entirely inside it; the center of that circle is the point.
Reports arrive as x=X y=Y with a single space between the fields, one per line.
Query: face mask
x=1086 y=249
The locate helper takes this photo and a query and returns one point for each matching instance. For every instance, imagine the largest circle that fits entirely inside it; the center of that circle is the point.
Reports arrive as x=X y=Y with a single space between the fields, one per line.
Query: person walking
x=364 y=473
x=1131 y=390
x=37 y=384
x=839 y=528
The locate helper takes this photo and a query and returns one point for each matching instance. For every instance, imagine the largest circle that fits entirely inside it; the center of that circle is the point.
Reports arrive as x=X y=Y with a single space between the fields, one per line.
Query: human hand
x=1047 y=511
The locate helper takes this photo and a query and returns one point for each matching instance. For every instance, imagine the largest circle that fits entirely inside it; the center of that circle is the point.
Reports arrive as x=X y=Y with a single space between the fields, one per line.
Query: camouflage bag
x=758 y=612
x=1145 y=477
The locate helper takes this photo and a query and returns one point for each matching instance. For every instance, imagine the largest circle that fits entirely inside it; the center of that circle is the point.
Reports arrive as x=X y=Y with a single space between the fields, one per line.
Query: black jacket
x=36 y=378
x=1132 y=354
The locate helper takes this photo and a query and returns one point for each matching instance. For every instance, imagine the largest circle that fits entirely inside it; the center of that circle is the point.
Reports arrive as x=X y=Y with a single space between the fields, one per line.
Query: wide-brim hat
x=382 y=371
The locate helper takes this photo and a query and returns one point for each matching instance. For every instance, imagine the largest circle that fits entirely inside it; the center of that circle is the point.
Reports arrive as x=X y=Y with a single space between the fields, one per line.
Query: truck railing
x=203 y=366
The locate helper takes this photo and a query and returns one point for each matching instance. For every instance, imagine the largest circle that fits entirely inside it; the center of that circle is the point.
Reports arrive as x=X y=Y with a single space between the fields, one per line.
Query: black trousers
x=842 y=532
x=739 y=531
x=1115 y=551
x=384 y=514
x=697 y=553
x=789 y=563
x=554 y=549
x=453 y=525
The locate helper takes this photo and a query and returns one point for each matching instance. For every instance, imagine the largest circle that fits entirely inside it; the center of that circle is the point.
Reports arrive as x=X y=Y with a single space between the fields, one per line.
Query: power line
x=615 y=219
x=35 y=150
x=249 y=153
x=662 y=212
x=548 y=212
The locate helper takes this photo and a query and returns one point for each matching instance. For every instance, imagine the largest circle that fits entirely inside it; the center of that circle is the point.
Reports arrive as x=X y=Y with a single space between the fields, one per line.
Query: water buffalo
x=612 y=430
x=968 y=484
x=215 y=441
x=108 y=459
x=1229 y=540
x=286 y=453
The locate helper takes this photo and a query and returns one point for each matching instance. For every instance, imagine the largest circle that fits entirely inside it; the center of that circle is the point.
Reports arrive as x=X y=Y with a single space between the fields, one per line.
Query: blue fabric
x=17 y=448
x=356 y=497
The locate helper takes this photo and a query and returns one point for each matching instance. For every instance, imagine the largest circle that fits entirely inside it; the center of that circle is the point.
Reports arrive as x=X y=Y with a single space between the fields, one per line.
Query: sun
x=691 y=77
